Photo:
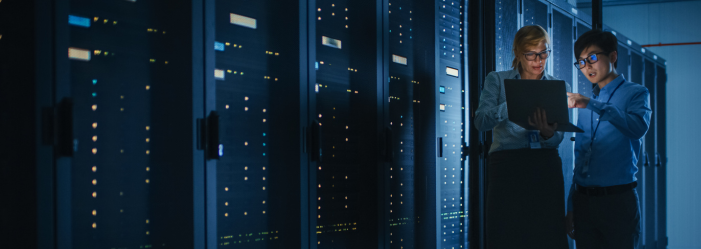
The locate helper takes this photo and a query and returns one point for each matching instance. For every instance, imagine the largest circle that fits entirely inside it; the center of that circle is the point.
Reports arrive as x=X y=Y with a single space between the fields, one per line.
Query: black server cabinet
x=255 y=69
x=127 y=170
x=661 y=162
x=345 y=107
x=636 y=76
x=404 y=99
x=450 y=118
x=643 y=67
x=649 y=200
x=438 y=75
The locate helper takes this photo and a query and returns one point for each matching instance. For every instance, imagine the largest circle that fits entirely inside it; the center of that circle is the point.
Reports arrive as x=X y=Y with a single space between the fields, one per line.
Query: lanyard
x=599 y=122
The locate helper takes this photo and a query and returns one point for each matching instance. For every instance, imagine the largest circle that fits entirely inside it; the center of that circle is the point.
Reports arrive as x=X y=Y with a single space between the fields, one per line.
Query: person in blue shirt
x=525 y=200
x=603 y=209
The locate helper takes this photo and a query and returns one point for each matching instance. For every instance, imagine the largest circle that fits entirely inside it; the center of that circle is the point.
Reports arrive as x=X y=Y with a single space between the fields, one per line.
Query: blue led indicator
x=441 y=89
x=79 y=21
x=264 y=134
x=94 y=82
x=263 y=154
x=218 y=46
x=401 y=116
x=94 y=94
x=263 y=144
x=221 y=150
x=316 y=65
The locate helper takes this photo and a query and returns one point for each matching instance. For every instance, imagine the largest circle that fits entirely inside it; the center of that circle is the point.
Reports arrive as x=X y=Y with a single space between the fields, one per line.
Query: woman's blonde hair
x=526 y=37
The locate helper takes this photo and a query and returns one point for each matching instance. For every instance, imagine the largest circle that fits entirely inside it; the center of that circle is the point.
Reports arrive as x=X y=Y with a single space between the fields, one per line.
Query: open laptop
x=523 y=97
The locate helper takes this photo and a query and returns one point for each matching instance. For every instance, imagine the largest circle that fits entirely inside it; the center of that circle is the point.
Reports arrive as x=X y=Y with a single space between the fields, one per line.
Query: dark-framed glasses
x=591 y=59
x=531 y=55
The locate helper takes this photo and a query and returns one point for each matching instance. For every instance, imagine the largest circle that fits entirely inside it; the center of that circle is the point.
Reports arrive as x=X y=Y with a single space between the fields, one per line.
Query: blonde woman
x=525 y=187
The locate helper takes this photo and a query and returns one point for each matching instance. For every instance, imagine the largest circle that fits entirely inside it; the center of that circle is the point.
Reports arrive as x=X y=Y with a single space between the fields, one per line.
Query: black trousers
x=607 y=221
x=525 y=200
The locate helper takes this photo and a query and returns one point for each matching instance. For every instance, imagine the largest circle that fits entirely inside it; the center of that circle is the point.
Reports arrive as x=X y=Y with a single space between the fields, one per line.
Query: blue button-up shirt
x=610 y=157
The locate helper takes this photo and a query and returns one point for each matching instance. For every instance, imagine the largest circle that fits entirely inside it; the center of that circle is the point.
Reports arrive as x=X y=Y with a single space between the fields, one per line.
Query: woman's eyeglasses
x=591 y=59
x=531 y=56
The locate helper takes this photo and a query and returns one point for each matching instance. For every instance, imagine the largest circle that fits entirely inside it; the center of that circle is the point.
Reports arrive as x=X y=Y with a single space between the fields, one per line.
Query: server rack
x=404 y=100
x=346 y=108
x=661 y=162
x=427 y=122
x=256 y=81
x=109 y=171
x=650 y=172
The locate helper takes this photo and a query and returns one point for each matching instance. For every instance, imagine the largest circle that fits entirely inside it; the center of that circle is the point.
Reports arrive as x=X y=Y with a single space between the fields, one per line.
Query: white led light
x=399 y=59
x=243 y=21
x=79 y=54
x=334 y=43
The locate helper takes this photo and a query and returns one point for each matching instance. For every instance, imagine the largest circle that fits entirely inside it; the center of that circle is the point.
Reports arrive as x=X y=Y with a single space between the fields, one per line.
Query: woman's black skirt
x=525 y=200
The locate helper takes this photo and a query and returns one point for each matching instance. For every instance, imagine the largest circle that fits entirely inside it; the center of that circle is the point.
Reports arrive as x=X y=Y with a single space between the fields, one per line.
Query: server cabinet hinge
x=465 y=150
x=208 y=136
x=658 y=160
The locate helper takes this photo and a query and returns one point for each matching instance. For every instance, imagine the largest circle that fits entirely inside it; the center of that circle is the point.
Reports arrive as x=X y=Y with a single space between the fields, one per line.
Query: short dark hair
x=602 y=39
